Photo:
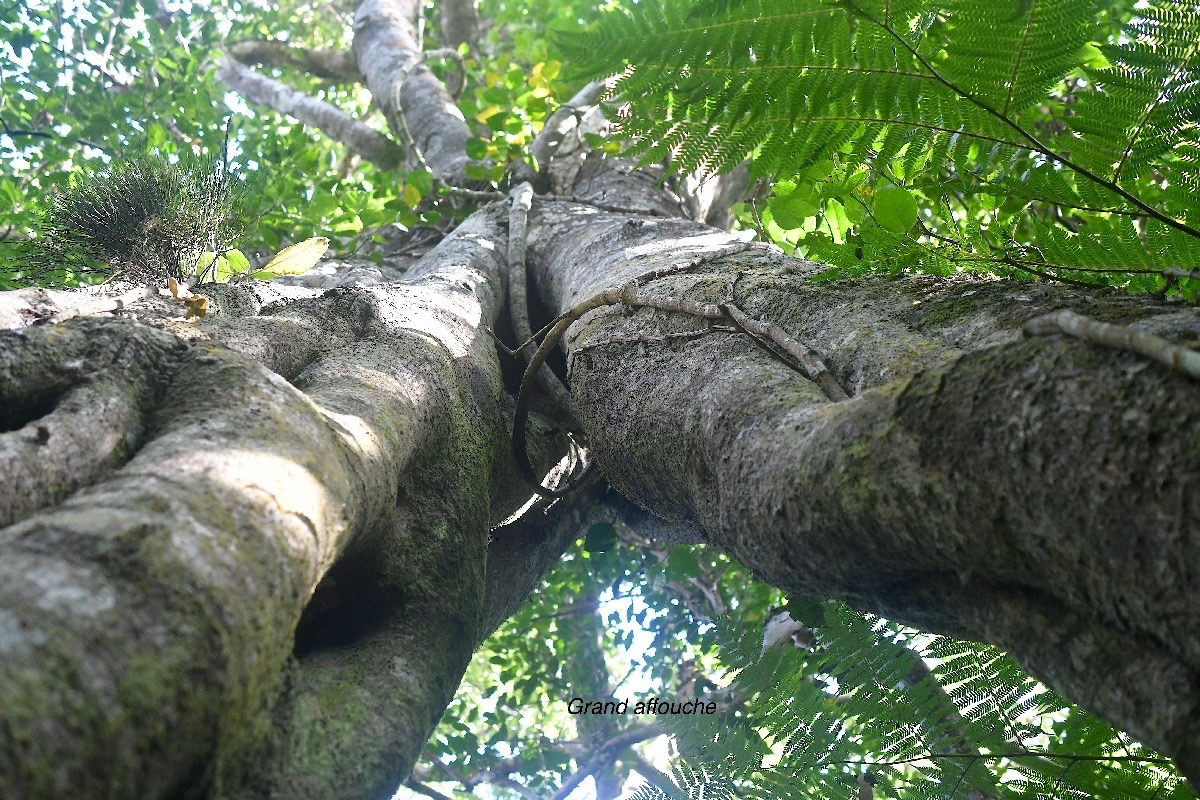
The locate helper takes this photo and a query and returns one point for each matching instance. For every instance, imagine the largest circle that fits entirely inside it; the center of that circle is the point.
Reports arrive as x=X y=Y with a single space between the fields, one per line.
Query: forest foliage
x=1043 y=139
x=1048 y=138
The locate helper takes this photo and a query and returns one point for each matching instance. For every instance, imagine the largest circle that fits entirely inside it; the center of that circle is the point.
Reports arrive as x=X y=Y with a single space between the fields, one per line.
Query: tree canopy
x=1049 y=143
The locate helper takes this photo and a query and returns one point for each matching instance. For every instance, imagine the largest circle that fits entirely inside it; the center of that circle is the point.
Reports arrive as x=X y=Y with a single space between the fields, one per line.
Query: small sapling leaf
x=237 y=261
x=295 y=259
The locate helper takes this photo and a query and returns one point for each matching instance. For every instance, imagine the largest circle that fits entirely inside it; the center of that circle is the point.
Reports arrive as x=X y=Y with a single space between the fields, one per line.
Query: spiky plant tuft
x=143 y=219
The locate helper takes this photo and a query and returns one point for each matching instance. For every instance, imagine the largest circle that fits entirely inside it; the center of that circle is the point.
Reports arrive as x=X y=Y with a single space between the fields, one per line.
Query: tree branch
x=1120 y=337
x=459 y=23
x=521 y=199
x=420 y=788
x=564 y=119
x=335 y=123
x=654 y=776
x=607 y=753
x=334 y=65
x=880 y=500
x=416 y=104
x=524 y=549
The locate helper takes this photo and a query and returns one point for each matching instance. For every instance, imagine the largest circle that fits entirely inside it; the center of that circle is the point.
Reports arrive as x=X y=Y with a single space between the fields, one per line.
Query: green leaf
x=895 y=209
x=237 y=260
x=204 y=262
x=224 y=271
x=10 y=190
x=682 y=563
x=352 y=225
x=297 y=258
x=477 y=148
x=791 y=211
x=420 y=178
x=807 y=610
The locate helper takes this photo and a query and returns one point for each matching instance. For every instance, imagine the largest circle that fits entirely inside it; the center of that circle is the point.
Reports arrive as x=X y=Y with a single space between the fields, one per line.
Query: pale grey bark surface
x=1039 y=493
x=419 y=111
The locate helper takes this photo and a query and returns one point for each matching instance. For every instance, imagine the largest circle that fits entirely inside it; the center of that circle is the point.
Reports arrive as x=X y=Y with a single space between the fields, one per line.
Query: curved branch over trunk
x=418 y=108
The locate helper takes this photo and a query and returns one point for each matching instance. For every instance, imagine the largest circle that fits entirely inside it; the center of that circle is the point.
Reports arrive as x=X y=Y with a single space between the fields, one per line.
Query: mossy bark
x=274 y=589
x=1039 y=493
x=178 y=627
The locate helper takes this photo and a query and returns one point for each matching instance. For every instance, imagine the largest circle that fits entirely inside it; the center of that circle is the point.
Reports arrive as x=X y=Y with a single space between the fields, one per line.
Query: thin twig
x=420 y=788
x=805 y=357
x=1043 y=274
x=1118 y=337
x=681 y=336
x=626 y=294
x=1181 y=273
x=607 y=753
x=410 y=143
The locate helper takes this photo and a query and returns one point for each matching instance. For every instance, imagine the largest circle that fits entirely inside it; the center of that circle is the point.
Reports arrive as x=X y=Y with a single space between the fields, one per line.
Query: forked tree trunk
x=250 y=557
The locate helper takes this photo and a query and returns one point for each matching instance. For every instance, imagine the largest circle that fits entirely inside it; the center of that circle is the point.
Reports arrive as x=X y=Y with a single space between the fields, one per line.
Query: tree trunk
x=352 y=443
x=250 y=557
x=1036 y=492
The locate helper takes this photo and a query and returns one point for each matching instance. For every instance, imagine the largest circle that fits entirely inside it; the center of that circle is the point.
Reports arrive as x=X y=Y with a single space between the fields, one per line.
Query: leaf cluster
x=924 y=716
x=1051 y=138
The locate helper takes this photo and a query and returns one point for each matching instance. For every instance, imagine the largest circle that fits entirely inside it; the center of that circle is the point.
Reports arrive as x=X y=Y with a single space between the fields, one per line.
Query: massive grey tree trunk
x=250 y=556
x=1035 y=491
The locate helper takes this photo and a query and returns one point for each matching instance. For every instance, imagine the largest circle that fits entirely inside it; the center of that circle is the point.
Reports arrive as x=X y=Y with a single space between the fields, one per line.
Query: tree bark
x=156 y=612
x=1035 y=492
x=418 y=109
x=333 y=65
x=270 y=570
x=336 y=124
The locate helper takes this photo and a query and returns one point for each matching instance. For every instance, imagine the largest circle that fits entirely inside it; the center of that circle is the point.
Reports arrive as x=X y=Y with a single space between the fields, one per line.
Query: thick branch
x=523 y=550
x=334 y=65
x=192 y=563
x=565 y=119
x=459 y=22
x=982 y=471
x=417 y=106
x=338 y=125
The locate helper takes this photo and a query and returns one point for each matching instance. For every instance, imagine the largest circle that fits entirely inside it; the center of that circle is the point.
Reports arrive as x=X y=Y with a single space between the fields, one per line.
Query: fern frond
x=1009 y=56
x=960 y=91
x=1146 y=102
x=930 y=716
